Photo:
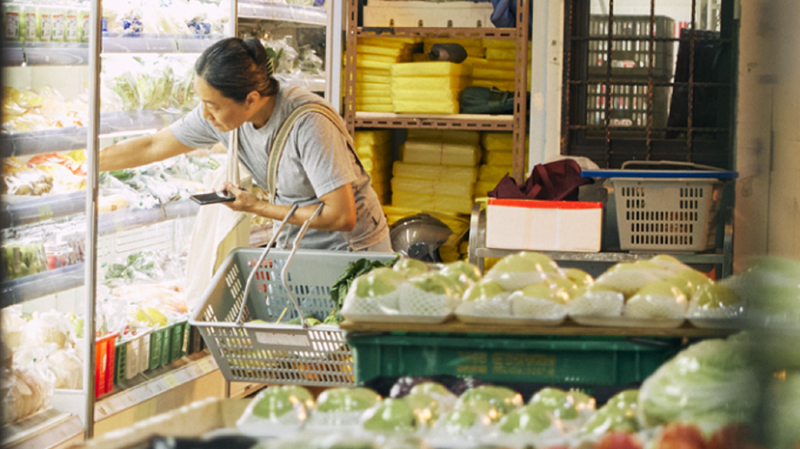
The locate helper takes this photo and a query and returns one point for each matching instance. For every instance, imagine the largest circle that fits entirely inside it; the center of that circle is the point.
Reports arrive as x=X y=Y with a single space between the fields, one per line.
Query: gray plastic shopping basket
x=248 y=351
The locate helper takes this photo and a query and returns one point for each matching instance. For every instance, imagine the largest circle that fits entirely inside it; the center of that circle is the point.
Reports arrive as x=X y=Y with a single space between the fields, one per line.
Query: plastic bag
x=67 y=369
x=273 y=412
x=24 y=390
x=11 y=326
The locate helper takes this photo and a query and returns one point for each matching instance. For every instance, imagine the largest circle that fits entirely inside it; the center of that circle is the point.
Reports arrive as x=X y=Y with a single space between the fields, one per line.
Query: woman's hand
x=245 y=201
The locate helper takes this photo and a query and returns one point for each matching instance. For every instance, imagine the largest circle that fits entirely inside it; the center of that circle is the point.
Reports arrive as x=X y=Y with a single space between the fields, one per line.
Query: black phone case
x=211 y=198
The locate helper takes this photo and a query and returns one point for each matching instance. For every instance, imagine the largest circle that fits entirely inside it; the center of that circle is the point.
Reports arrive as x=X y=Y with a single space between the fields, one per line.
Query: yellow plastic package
x=492 y=74
x=497 y=141
x=499 y=158
x=374 y=164
x=433 y=68
x=373 y=100
x=430 y=83
x=382 y=151
x=493 y=174
x=441 y=172
x=374 y=107
x=378 y=50
x=492 y=64
x=472 y=51
x=482 y=188
x=505 y=53
x=499 y=43
x=378 y=58
x=440 y=153
x=425 y=107
x=372 y=137
x=369 y=64
x=373 y=89
x=431 y=187
x=428 y=95
x=448 y=40
x=444 y=135
x=441 y=203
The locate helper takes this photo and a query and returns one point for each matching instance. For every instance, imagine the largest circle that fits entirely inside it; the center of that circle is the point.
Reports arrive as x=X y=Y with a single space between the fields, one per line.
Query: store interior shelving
x=282 y=12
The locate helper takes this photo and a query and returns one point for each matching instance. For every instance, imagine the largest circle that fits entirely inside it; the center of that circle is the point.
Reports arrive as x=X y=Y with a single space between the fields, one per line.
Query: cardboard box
x=544 y=225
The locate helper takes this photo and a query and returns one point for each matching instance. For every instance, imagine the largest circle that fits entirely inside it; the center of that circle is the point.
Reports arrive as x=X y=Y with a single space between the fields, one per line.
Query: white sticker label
x=47 y=28
x=72 y=28
x=58 y=27
x=12 y=25
x=268 y=338
x=30 y=26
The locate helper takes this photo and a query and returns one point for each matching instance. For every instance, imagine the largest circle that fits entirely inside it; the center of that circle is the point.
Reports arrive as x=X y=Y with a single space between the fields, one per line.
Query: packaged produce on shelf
x=341 y=407
x=147 y=82
x=133 y=18
x=24 y=390
x=41 y=108
x=276 y=411
x=20 y=180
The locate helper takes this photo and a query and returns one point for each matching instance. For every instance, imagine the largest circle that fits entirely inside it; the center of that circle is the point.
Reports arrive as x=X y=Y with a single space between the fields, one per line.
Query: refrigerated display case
x=77 y=242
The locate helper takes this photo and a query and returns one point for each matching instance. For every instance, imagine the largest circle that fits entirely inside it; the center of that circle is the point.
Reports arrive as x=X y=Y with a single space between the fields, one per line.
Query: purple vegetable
x=466 y=384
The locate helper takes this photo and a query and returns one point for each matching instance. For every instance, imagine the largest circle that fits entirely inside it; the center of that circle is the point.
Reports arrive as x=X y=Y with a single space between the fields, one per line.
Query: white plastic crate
x=676 y=215
x=137 y=352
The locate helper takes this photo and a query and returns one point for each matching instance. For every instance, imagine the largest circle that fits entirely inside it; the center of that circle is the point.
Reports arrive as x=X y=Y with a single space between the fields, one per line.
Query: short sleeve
x=322 y=148
x=194 y=131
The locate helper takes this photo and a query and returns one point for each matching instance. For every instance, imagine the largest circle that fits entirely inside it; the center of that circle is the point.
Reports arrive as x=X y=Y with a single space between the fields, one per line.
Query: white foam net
x=597 y=304
x=655 y=306
x=525 y=306
x=382 y=305
x=413 y=301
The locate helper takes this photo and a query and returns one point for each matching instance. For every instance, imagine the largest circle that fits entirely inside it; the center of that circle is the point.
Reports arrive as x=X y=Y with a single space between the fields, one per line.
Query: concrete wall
x=768 y=131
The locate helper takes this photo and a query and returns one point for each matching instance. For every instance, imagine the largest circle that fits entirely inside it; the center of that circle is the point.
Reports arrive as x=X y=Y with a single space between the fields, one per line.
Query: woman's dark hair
x=236 y=67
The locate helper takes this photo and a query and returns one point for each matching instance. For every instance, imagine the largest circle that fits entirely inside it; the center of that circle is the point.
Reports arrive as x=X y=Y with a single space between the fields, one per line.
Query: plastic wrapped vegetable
x=520 y=270
x=12 y=325
x=375 y=293
x=538 y=301
x=429 y=294
x=67 y=369
x=710 y=383
x=342 y=406
x=657 y=300
x=24 y=390
x=715 y=300
x=405 y=384
x=573 y=407
x=464 y=272
x=486 y=298
x=597 y=300
x=618 y=415
x=409 y=267
x=273 y=412
x=443 y=397
x=389 y=416
x=505 y=399
x=629 y=277
x=48 y=327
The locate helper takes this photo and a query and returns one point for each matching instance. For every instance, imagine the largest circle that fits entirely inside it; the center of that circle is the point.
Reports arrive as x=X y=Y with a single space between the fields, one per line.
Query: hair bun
x=256 y=51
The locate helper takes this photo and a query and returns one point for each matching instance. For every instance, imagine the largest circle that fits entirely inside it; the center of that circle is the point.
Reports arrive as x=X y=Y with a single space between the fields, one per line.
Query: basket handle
x=285 y=271
x=263 y=256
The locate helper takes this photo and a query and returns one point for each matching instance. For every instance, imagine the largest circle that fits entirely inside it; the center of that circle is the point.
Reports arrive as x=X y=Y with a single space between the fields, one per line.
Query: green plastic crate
x=166 y=345
x=177 y=335
x=156 y=348
x=562 y=360
x=120 y=362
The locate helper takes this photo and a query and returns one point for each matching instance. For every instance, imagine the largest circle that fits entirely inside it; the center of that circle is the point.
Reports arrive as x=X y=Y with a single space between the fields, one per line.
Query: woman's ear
x=252 y=99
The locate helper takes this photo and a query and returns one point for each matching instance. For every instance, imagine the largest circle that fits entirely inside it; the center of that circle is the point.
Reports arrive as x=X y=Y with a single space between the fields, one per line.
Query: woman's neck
x=262 y=116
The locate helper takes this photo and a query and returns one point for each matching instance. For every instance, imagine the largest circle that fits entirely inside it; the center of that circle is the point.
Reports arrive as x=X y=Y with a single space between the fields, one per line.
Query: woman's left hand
x=245 y=201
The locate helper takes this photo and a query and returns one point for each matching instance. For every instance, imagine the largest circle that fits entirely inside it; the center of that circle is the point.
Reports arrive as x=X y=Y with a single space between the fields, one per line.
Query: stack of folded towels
x=497 y=160
x=428 y=87
x=374 y=59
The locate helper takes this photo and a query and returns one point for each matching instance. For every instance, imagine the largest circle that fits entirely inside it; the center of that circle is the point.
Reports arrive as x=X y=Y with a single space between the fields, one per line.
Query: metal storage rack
x=516 y=123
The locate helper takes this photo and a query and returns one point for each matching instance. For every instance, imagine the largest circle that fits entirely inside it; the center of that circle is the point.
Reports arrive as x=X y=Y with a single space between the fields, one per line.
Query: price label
x=205 y=365
x=196 y=371
x=171 y=381
x=45 y=212
x=183 y=376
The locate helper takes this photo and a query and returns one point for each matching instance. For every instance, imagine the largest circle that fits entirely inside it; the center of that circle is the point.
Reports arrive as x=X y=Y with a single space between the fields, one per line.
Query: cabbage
x=391 y=415
x=346 y=400
x=708 y=383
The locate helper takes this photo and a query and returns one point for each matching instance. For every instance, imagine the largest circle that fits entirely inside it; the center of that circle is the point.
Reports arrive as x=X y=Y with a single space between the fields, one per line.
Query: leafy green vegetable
x=355 y=269
x=711 y=382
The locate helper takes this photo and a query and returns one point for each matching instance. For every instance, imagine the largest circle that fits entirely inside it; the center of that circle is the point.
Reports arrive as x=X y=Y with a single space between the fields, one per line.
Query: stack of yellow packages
x=437 y=171
x=498 y=159
x=474 y=47
x=498 y=67
x=375 y=56
x=374 y=149
x=428 y=87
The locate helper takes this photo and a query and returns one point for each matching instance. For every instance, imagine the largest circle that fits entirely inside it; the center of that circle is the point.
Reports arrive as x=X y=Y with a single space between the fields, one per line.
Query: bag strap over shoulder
x=279 y=143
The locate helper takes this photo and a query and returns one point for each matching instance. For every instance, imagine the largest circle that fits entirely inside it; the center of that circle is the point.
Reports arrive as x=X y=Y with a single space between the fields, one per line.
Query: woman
x=236 y=90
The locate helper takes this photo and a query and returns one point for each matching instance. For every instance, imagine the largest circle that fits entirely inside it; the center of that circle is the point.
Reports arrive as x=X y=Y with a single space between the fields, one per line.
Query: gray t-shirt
x=315 y=162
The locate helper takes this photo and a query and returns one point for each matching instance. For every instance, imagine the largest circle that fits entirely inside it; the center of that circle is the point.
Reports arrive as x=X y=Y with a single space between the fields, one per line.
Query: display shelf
x=283 y=12
x=76 y=53
x=74 y=138
x=608 y=257
x=41 y=284
x=153 y=383
x=48 y=428
x=477 y=122
x=451 y=32
x=569 y=328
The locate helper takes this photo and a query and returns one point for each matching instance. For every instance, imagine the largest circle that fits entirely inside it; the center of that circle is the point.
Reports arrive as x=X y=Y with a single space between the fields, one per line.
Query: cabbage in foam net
x=519 y=270
x=374 y=293
x=657 y=300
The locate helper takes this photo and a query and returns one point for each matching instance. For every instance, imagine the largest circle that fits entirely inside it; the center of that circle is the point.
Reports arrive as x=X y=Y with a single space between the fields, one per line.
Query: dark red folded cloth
x=556 y=181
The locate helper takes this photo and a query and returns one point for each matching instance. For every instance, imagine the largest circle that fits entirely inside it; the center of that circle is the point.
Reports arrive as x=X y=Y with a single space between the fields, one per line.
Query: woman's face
x=224 y=113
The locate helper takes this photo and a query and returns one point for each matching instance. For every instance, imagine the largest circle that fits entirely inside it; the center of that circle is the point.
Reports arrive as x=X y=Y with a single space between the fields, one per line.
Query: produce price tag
x=159 y=386
x=183 y=376
x=45 y=212
x=213 y=363
x=197 y=371
x=171 y=381
x=205 y=365
x=142 y=394
x=129 y=399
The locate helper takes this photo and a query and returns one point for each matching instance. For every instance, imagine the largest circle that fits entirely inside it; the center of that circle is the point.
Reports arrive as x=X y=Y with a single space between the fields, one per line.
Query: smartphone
x=212 y=198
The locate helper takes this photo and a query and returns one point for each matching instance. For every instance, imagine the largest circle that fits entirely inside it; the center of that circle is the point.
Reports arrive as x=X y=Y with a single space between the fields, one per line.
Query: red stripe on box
x=539 y=204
